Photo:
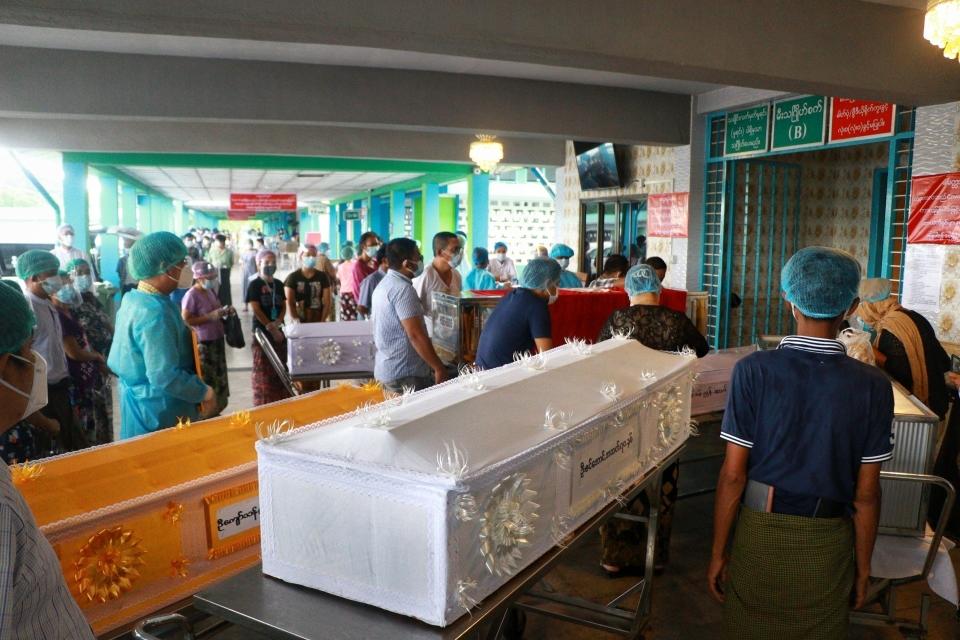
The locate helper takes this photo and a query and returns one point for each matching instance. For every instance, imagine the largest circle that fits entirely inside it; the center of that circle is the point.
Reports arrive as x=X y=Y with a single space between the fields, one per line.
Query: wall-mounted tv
x=597 y=165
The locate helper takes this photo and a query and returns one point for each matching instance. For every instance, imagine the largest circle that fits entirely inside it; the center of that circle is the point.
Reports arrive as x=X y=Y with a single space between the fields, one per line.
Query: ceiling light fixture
x=312 y=174
x=486 y=153
x=942 y=26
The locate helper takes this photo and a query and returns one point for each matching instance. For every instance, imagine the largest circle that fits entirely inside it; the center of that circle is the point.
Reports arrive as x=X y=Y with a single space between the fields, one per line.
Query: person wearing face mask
x=40 y=272
x=562 y=254
x=36 y=601
x=501 y=267
x=664 y=330
x=90 y=312
x=64 y=249
x=807 y=429
x=405 y=355
x=152 y=353
x=268 y=302
x=479 y=279
x=221 y=258
x=520 y=323
x=87 y=367
x=348 y=304
x=370 y=283
x=441 y=274
x=366 y=262
x=193 y=249
x=308 y=290
x=203 y=313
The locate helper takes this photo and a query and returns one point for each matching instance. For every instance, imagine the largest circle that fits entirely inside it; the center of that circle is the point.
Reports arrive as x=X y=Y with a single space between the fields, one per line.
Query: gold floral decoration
x=26 y=471
x=182 y=423
x=373 y=385
x=180 y=567
x=241 y=419
x=108 y=564
x=173 y=512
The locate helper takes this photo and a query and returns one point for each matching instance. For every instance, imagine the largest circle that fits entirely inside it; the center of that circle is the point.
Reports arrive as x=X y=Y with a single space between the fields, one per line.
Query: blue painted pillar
x=478 y=210
x=380 y=217
x=109 y=217
x=333 y=239
x=398 y=210
x=358 y=224
x=431 y=216
x=75 y=210
x=341 y=226
x=144 y=220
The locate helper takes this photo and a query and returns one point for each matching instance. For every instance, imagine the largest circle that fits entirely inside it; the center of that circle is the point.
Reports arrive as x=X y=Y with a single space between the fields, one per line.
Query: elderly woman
x=87 y=368
x=479 y=278
x=348 y=304
x=202 y=312
x=152 y=352
x=266 y=297
x=562 y=254
x=520 y=323
x=905 y=345
x=37 y=601
x=665 y=330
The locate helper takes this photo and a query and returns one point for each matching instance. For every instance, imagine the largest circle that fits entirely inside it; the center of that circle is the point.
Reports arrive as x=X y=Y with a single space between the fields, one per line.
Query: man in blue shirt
x=521 y=321
x=405 y=355
x=807 y=428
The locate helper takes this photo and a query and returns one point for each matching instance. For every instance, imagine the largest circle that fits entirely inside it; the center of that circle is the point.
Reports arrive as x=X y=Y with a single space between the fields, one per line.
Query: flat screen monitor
x=597 y=167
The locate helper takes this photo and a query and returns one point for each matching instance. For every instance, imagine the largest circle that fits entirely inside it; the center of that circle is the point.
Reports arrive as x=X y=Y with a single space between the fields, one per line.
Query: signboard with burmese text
x=861 y=119
x=799 y=122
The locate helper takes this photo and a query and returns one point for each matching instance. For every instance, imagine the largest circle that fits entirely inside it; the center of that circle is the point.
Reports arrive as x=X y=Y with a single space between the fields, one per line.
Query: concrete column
x=398 y=207
x=333 y=239
x=341 y=226
x=128 y=206
x=478 y=210
x=380 y=217
x=109 y=217
x=430 y=195
x=75 y=210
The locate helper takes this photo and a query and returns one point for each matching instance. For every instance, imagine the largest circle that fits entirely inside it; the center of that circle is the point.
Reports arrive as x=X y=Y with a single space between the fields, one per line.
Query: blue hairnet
x=499 y=245
x=324 y=247
x=35 y=262
x=480 y=257
x=874 y=289
x=560 y=251
x=17 y=320
x=821 y=282
x=540 y=273
x=155 y=253
x=346 y=252
x=641 y=279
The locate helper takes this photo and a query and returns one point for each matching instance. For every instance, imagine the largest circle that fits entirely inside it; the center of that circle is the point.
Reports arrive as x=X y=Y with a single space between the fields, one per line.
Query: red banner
x=263 y=202
x=859 y=119
x=934 y=209
x=313 y=237
x=667 y=215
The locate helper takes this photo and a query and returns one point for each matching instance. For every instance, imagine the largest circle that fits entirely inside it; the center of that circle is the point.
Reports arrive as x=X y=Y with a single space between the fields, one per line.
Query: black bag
x=233 y=331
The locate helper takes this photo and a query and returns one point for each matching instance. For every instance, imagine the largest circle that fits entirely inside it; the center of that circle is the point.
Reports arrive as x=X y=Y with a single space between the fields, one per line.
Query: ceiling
x=909 y=4
x=210 y=189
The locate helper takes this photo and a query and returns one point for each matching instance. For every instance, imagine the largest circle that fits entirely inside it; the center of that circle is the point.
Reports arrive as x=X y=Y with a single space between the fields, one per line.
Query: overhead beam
x=58 y=83
x=834 y=47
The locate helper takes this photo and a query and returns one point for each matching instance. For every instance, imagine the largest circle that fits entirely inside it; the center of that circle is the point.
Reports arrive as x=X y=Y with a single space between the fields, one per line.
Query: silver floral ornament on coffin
x=452 y=461
x=560 y=526
x=580 y=346
x=610 y=390
x=563 y=456
x=465 y=507
x=622 y=335
x=531 y=362
x=329 y=352
x=508 y=524
x=469 y=378
x=555 y=419
x=374 y=415
x=273 y=432
x=465 y=598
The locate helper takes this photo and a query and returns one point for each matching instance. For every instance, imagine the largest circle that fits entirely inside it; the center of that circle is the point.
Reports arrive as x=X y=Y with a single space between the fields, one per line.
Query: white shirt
x=429 y=281
x=34 y=599
x=48 y=338
x=502 y=271
x=65 y=255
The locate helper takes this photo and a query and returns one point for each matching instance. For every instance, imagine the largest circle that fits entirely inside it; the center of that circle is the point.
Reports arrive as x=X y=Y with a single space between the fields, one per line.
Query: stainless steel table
x=284 y=611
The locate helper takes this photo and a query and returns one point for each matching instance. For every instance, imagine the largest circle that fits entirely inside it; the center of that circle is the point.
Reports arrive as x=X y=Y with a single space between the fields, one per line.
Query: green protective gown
x=152 y=354
x=479 y=280
x=569 y=280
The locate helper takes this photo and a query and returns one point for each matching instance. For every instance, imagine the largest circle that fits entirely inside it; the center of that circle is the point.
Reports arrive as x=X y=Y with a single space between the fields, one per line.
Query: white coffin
x=330 y=347
x=712 y=381
x=426 y=505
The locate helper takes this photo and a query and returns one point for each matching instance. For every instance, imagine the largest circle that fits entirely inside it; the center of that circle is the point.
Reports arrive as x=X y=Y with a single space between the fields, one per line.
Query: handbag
x=233 y=332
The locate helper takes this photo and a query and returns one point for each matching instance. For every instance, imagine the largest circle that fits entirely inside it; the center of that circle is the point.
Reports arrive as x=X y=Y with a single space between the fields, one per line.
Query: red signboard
x=313 y=237
x=859 y=119
x=255 y=202
x=934 y=209
x=667 y=215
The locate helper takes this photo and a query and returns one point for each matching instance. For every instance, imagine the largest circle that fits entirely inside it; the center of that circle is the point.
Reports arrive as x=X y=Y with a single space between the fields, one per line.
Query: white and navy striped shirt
x=34 y=600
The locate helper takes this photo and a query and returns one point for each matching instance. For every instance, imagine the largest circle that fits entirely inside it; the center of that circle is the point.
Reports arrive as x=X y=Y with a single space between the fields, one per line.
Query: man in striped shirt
x=806 y=428
x=405 y=355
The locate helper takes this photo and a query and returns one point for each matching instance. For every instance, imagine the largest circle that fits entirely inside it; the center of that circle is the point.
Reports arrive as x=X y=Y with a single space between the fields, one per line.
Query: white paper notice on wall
x=922 y=274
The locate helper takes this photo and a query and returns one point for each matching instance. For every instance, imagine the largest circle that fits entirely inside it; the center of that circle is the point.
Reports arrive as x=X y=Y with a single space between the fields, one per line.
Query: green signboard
x=799 y=122
x=351 y=214
x=747 y=131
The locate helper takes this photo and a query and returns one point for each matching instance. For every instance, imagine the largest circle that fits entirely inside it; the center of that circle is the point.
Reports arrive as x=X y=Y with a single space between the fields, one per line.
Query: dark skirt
x=213 y=364
x=226 y=297
x=624 y=542
x=348 y=306
x=267 y=386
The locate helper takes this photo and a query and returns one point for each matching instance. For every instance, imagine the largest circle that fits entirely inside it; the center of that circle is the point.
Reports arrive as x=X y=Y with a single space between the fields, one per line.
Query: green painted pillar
x=417 y=227
x=448 y=213
x=128 y=206
x=75 y=209
x=478 y=210
x=109 y=217
x=431 y=215
x=180 y=225
x=333 y=237
x=398 y=210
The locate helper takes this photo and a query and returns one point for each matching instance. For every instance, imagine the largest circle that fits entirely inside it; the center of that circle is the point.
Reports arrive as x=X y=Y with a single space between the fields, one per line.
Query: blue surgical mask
x=83 y=283
x=67 y=294
x=208 y=284
x=371 y=252
x=51 y=285
x=456 y=259
x=417 y=270
x=310 y=262
x=564 y=262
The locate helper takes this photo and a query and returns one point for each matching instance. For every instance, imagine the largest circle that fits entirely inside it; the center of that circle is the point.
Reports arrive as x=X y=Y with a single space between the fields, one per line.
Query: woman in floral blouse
x=665 y=330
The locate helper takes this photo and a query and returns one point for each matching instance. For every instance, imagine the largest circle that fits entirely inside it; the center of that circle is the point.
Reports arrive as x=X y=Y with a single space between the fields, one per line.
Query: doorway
x=609 y=226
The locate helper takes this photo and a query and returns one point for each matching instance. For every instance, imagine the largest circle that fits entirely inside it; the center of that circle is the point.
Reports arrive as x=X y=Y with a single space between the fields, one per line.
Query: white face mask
x=185 y=281
x=553 y=296
x=37 y=398
x=500 y=256
x=564 y=262
x=83 y=283
x=66 y=241
x=456 y=259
